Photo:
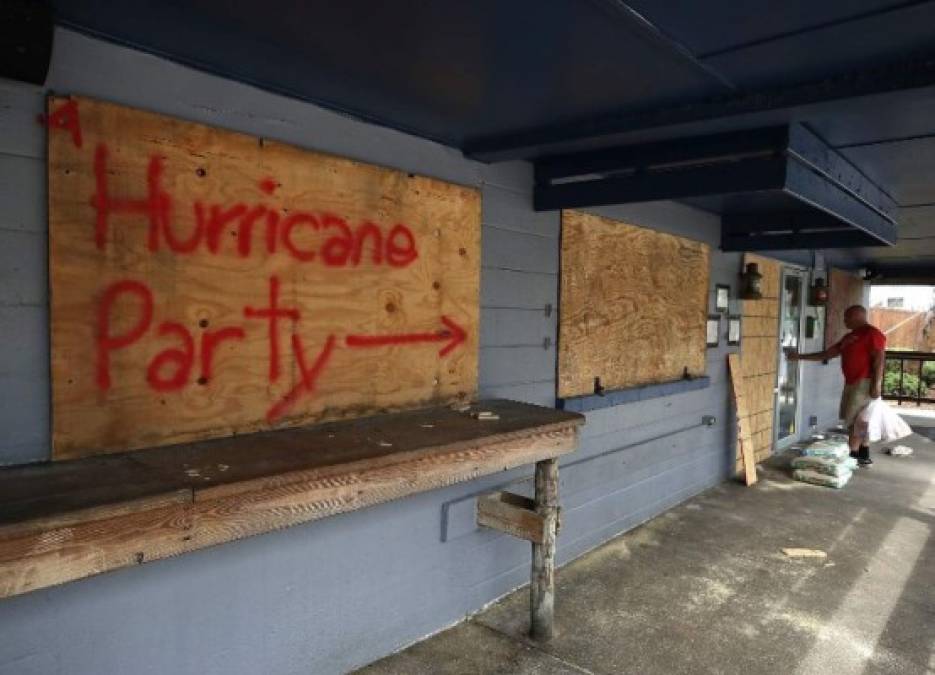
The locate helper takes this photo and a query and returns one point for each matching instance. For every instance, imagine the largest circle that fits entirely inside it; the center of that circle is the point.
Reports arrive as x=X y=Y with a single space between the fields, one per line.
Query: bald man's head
x=855 y=316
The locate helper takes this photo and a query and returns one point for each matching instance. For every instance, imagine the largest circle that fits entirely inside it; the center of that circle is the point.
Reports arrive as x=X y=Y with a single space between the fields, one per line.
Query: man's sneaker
x=863 y=456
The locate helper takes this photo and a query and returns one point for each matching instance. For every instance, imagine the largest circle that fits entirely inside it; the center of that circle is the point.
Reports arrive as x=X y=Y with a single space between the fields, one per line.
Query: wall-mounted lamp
x=750 y=287
x=819 y=293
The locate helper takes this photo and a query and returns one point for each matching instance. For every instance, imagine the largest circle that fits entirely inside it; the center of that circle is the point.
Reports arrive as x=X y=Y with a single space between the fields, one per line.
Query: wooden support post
x=542 y=586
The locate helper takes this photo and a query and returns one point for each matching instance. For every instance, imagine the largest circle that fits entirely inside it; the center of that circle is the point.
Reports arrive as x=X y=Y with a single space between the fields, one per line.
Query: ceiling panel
x=905 y=169
x=917 y=221
x=852 y=46
x=908 y=114
x=915 y=249
x=895 y=257
x=716 y=25
x=750 y=202
x=440 y=69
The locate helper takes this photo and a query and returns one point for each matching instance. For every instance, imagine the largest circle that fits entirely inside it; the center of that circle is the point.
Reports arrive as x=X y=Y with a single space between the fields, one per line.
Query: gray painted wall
x=335 y=594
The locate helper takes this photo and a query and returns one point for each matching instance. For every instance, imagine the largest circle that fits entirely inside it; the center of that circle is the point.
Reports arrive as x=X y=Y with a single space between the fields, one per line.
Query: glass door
x=789 y=372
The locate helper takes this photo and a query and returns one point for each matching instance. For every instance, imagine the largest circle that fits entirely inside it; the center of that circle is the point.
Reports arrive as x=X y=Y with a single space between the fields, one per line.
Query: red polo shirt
x=856 y=348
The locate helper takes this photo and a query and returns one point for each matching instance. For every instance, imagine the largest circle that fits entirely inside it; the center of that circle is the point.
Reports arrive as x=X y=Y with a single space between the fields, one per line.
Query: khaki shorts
x=853 y=399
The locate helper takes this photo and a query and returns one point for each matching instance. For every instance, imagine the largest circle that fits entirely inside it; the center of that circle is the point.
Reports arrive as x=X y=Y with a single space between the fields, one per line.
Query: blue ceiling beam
x=824 y=201
x=734 y=111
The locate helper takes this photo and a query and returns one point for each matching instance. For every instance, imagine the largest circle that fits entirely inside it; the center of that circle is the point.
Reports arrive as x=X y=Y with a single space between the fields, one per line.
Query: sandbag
x=831 y=448
x=827 y=465
x=879 y=422
x=815 y=478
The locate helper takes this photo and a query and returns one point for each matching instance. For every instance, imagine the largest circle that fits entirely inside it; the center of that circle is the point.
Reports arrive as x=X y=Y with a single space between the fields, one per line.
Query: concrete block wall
x=332 y=595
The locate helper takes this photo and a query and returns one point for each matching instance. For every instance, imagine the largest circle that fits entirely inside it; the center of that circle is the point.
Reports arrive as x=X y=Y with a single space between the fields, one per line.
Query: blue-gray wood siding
x=328 y=596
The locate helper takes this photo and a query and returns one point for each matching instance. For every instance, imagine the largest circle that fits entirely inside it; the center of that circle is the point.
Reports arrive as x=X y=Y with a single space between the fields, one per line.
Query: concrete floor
x=705 y=588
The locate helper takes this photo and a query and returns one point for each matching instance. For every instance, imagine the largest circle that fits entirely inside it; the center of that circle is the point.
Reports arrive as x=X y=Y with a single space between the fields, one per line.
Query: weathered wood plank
x=511 y=514
x=65 y=520
x=221 y=516
x=46 y=492
x=542 y=585
x=633 y=305
x=206 y=283
x=33 y=558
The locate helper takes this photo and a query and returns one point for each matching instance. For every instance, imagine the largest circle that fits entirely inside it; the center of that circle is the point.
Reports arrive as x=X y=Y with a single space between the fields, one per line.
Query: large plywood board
x=633 y=305
x=206 y=283
x=845 y=289
x=759 y=357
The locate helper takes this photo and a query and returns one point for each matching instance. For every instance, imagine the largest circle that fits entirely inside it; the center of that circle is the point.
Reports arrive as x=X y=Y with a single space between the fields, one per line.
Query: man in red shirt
x=863 y=354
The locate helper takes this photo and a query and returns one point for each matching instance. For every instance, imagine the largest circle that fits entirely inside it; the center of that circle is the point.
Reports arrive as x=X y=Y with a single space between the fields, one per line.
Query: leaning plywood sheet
x=633 y=305
x=206 y=283
x=845 y=289
x=745 y=434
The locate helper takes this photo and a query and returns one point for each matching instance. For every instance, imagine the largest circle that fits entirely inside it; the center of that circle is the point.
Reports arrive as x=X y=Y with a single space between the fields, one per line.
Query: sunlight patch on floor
x=848 y=640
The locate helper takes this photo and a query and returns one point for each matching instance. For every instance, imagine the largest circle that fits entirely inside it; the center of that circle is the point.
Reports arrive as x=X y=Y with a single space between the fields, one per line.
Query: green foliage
x=892 y=366
x=910 y=384
x=928 y=373
x=910 y=378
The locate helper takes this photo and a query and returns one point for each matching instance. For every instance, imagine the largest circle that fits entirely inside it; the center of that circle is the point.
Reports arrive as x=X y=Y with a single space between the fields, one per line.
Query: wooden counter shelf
x=61 y=521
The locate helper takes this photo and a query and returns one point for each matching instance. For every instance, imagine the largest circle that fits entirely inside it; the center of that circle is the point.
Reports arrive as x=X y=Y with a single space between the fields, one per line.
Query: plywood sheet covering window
x=206 y=283
x=845 y=289
x=759 y=355
x=633 y=305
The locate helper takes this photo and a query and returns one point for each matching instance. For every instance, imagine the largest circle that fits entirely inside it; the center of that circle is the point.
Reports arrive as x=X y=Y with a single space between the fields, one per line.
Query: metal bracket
x=598 y=387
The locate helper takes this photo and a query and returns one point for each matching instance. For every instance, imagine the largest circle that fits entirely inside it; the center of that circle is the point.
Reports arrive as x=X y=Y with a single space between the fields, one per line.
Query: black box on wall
x=25 y=40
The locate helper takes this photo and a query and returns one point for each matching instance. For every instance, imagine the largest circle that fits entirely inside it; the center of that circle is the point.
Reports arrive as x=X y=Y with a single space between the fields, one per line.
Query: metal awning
x=775 y=188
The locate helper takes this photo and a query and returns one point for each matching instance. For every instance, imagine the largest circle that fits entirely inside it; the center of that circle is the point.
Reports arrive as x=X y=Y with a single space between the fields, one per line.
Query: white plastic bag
x=899 y=451
x=878 y=422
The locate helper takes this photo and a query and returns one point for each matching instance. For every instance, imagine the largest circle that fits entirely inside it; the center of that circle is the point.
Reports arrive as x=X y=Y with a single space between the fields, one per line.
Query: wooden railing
x=905 y=389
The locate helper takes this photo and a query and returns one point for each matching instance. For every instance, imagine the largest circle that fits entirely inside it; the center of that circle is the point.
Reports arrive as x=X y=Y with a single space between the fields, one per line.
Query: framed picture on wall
x=733 y=330
x=713 y=331
x=721 y=297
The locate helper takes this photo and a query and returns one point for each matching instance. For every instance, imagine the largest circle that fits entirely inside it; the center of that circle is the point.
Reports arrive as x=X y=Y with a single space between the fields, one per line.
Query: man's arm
x=877 y=363
x=830 y=353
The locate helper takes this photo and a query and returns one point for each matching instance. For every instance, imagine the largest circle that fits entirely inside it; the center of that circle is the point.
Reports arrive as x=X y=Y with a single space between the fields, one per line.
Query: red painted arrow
x=453 y=335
